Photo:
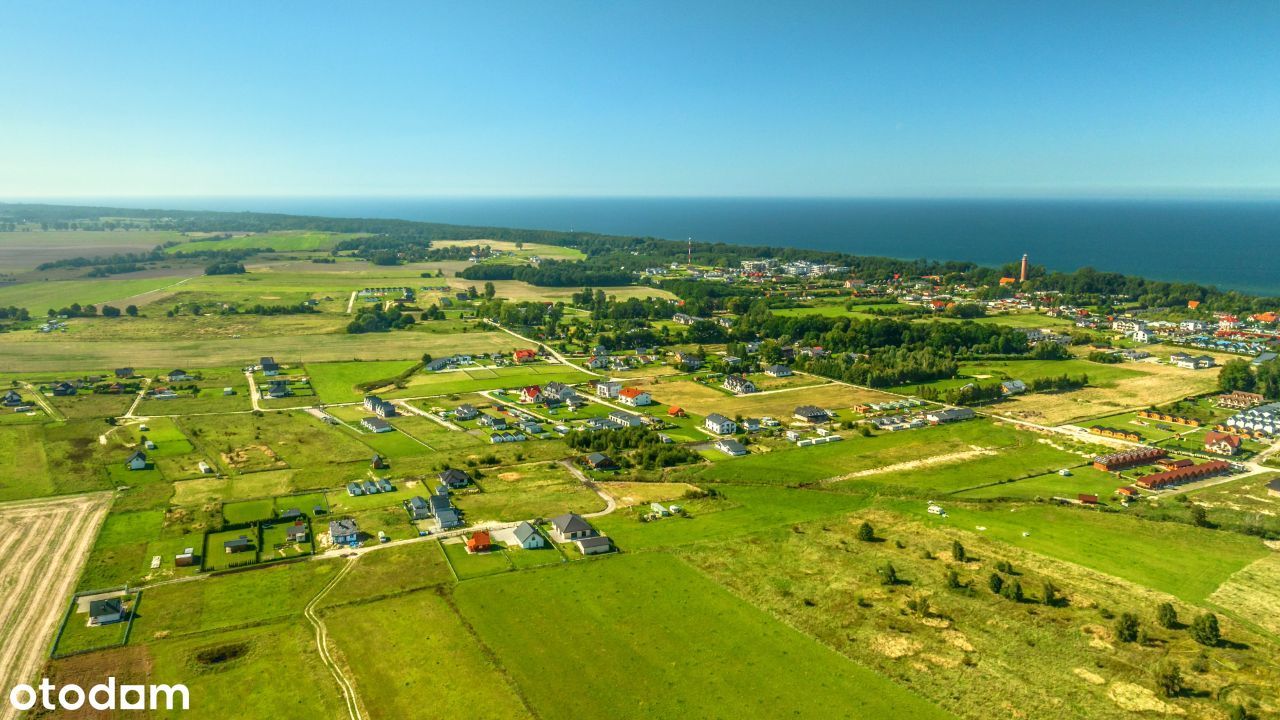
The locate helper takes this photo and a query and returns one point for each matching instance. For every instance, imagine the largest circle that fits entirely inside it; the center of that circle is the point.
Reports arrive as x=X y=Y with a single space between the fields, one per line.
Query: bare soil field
x=1158 y=385
x=43 y=545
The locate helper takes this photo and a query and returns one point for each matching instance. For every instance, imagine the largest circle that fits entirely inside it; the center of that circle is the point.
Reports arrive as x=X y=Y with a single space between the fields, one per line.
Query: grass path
x=322 y=643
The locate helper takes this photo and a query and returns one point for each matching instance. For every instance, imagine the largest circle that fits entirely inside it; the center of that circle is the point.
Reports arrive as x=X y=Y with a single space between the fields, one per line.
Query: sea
x=1231 y=244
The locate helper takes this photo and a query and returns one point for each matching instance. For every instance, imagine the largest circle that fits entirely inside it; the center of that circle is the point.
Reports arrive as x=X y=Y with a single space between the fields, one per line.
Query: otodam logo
x=103 y=696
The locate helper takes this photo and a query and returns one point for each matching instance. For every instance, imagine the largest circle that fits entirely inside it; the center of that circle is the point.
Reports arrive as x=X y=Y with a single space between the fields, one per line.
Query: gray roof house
x=137 y=461
x=570 y=526
x=811 y=413
x=106 y=611
x=455 y=478
x=594 y=545
x=719 y=424
x=344 y=531
x=417 y=508
x=528 y=536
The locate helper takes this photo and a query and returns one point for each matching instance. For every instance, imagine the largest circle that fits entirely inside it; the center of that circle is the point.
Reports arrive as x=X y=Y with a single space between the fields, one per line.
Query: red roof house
x=525 y=356
x=479 y=541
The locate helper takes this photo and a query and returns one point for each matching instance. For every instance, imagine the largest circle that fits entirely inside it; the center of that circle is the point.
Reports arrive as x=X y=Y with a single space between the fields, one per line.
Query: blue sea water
x=1228 y=243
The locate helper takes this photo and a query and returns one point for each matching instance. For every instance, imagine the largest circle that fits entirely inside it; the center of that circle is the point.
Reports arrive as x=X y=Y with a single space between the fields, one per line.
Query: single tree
x=866 y=533
x=1199 y=516
x=953 y=579
x=957 y=551
x=1013 y=591
x=888 y=574
x=1168 y=677
x=996 y=583
x=1049 y=593
x=1204 y=630
x=131 y=311
x=1166 y=615
x=1127 y=627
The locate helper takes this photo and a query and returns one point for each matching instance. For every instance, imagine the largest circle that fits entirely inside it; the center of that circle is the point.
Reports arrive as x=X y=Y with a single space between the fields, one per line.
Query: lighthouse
x=1023 y=277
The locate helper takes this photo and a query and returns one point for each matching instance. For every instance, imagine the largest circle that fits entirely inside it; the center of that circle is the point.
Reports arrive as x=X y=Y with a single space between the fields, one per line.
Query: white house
x=528 y=536
x=635 y=397
x=608 y=388
x=719 y=424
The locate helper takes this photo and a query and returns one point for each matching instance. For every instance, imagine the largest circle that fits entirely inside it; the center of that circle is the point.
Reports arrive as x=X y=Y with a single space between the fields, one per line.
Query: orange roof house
x=525 y=355
x=479 y=541
x=1193 y=304
x=1266 y=317
x=1008 y=280
x=675 y=411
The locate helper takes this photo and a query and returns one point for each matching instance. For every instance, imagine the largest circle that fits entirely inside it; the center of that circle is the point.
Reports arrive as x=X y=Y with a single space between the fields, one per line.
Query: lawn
x=649 y=628
x=469 y=566
x=78 y=636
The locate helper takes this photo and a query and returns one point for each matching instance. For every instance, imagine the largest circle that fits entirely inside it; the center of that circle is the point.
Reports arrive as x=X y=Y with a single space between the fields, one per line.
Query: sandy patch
x=948 y=459
x=958 y=639
x=1090 y=677
x=1136 y=698
x=895 y=646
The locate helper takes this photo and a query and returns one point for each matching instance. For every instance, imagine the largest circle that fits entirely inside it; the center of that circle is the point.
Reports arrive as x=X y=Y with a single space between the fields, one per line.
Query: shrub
x=1166 y=615
x=996 y=583
x=866 y=533
x=1126 y=627
x=957 y=551
x=888 y=574
x=1168 y=677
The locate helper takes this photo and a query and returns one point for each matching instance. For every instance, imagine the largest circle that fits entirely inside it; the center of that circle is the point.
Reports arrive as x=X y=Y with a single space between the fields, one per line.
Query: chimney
x=1024 y=268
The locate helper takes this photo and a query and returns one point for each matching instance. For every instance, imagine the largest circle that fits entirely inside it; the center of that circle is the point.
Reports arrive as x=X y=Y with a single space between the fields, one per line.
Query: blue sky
x=639 y=98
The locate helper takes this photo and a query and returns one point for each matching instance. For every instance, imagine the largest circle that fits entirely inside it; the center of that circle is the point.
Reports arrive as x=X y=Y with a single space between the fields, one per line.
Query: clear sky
x=639 y=98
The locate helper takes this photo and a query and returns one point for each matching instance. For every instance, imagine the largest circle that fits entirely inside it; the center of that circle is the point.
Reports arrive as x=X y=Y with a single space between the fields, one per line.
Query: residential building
x=594 y=545
x=947 y=415
x=480 y=541
x=608 y=388
x=455 y=478
x=376 y=425
x=379 y=407
x=530 y=394
x=1220 y=443
x=778 y=371
x=635 y=397
x=103 y=612
x=600 y=461
x=626 y=419
x=465 y=412
x=738 y=385
x=528 y=537
x=417 y=508
x=729 y=446
x=269 y=366
x=811 y=414
x=344 y=531
x=136 y=461
x=719 y=424
x=570 y=526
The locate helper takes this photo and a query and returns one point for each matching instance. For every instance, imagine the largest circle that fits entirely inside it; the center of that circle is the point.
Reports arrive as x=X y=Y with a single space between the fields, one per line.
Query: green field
x=278 y=241
x=1184 y=561
x=648 y=628
x=419 y=631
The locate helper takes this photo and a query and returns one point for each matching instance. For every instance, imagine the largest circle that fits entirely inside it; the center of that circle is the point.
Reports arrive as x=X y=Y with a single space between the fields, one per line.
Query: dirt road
x=43 y=546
